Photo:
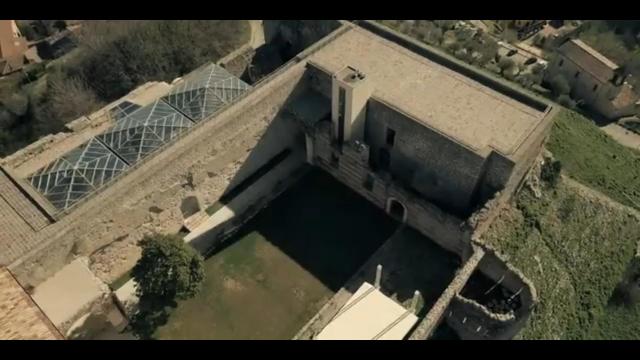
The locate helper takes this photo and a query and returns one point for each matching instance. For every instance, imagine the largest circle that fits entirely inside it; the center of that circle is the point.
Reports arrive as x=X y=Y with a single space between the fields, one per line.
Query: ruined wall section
x=201 y=164
x=352 y=169
x=473 y=321
x=427 y=326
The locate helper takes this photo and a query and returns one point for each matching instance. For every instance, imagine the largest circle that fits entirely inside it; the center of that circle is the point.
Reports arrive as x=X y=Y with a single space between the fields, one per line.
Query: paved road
x=622 y=135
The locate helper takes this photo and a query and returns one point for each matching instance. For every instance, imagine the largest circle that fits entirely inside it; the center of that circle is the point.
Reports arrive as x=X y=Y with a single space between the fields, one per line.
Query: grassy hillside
x=575 y=247
x=573 y=243
x=595 y=159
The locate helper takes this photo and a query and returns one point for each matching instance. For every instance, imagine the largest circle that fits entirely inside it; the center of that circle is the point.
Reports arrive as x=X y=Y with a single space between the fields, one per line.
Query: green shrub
x=550 y=172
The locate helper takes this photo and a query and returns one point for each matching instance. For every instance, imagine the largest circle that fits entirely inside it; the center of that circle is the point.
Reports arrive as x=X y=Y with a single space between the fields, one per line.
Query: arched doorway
x=396 y=210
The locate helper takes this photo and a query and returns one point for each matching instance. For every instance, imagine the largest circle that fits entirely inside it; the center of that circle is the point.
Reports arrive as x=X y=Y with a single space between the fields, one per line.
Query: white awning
x=369 y=315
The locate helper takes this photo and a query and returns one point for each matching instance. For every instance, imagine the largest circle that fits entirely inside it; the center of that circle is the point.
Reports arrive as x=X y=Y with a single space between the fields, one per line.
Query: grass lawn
x=595 y=159
x=284 y=265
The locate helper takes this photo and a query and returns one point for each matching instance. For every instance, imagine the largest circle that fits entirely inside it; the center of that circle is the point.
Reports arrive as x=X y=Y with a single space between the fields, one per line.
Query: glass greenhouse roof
x=205 y=91
x=144 y=131
x=77 y=173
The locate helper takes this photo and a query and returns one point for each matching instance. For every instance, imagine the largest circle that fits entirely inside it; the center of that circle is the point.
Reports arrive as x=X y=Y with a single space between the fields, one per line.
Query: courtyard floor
x=284 y=265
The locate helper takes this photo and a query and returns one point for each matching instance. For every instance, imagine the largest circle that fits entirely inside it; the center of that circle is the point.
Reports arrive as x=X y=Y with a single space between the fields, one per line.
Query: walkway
x=622 y=135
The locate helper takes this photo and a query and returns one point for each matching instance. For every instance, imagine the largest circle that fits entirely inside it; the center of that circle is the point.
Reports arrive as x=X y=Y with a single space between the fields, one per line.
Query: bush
x=550 y=172
x=566 y=101
x=505 y=64
x=560 y=85
x=168 y=270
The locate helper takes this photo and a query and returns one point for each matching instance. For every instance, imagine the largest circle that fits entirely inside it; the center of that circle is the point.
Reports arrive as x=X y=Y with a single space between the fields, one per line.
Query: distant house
x=12 y=47
x=594 y=79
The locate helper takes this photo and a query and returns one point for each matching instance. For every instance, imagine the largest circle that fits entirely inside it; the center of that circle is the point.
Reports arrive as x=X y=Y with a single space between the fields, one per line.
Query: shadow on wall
x=280 y=145
x=284 y=39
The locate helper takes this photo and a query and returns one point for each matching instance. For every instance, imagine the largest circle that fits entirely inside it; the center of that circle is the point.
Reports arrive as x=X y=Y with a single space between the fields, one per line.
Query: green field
x=595 y=159
x=287 y=262
x=573 y=244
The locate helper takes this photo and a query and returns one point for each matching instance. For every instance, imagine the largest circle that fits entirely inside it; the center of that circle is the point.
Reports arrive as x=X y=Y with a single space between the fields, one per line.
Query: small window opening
x=391 y=137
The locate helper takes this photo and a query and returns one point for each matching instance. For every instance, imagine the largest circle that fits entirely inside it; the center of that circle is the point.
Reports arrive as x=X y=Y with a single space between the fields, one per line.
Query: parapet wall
x=444 y=59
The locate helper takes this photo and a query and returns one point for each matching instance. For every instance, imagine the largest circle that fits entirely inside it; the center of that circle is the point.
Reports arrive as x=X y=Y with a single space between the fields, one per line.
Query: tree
x=509 y=35
x=168 y=270
x=68 y=98
x=566 y=101
x=550 y=172
x=560 y=85
x=60 y=25
x=505 y=64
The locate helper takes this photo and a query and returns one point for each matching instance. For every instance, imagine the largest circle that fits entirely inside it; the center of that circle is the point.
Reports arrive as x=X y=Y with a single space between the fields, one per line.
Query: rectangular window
x=368 y=182
x=391 y=137
x=595 y=87
x=341 y=112
x=335 y=160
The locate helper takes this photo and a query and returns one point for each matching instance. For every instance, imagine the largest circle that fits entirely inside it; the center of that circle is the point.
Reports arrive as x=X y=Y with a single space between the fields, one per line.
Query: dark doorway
x=384 y=160
x=397 y=210
x=391 y=137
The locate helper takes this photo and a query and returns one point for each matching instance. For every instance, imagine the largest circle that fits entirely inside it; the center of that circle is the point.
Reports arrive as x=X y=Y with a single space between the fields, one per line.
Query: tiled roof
x=626 y=97
x=588 y=59
x=20 y=317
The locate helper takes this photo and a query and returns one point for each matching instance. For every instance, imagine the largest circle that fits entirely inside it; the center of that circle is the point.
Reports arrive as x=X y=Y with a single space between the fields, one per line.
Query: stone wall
x=442 y=170
x=472 y=320
x=353 y=170
x=427 y=326
x=202 y=163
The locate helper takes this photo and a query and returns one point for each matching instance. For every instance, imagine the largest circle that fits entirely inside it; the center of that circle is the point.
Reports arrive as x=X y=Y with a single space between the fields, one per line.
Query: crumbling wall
x=472 y=320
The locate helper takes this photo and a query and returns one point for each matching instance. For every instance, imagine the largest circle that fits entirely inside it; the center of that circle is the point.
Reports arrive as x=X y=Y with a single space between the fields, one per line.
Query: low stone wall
x=473 y=321
x=426 y=327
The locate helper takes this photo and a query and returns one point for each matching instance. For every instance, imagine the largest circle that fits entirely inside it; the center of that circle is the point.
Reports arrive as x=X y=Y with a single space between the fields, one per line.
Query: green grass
x=595 y=159
x=575 y=248
x=283 y=265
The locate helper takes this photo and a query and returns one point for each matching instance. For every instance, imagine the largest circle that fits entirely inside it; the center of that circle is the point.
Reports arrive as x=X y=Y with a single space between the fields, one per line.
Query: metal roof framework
x=77 y=173
x=123 y=110
x=136 y=136
x=137 y=132
x=204 y=92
